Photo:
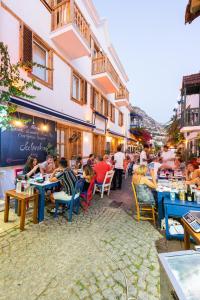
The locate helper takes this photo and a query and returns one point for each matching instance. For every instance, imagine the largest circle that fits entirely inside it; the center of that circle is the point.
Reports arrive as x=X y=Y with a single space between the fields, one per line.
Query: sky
x=156 y=48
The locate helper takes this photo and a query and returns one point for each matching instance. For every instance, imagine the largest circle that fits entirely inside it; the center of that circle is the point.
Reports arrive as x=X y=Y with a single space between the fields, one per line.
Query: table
x=23 y=198
x=177 y=208
x=189 y=232
x=42 y=187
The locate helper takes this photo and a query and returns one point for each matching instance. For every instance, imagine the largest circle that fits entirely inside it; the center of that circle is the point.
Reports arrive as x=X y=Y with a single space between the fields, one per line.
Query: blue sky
x=155 y=47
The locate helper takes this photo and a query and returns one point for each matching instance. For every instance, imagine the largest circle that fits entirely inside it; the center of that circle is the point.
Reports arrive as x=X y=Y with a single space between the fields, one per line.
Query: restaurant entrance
x=69 y=142
x=99 y=142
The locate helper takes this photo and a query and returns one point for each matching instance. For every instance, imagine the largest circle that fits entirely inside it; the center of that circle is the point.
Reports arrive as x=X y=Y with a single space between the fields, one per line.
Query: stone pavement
x=102 y=254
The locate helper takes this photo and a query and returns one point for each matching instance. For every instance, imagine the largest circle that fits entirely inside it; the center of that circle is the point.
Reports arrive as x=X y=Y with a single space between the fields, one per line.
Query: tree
x=173 y=131
x=12 y=84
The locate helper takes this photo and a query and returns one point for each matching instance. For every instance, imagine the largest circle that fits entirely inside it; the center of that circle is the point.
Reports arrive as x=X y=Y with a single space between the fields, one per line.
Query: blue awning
x=116 y=133
x=48 y=111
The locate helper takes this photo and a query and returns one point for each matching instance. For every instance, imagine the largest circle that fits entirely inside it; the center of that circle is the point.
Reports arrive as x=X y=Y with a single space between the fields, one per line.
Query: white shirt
x=119 y=160
x=143 y=158
x=167 y=156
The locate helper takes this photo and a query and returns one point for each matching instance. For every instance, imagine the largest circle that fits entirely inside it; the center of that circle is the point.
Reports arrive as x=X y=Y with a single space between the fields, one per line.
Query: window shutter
x=106 y=107
x=92 y=97
x=27 y=45
x=84 y=92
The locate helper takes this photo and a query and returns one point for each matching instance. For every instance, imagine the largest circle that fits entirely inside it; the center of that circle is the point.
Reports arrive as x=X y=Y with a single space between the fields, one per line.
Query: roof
x=193 y=79
x=192 y=11
x=191 y=83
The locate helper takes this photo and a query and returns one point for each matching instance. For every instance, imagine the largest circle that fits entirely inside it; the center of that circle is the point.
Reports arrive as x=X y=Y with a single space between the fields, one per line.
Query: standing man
x=119 y=158
x=167 y=157
x=144 y=155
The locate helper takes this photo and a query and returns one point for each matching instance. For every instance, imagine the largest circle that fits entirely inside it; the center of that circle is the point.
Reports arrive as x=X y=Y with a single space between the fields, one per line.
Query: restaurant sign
x=25 y=138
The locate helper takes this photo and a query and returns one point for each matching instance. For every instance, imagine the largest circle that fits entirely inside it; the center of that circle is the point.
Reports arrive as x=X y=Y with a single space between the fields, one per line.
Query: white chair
x=106 y=185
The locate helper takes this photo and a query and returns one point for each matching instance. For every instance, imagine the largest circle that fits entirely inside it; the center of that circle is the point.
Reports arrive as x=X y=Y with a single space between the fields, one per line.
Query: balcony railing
x=191 y=117
x=103 y=65
x=122 y=93
x=67 y=12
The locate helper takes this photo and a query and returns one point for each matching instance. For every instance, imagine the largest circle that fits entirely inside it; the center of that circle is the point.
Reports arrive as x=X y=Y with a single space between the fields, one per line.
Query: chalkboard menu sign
x=32 y=137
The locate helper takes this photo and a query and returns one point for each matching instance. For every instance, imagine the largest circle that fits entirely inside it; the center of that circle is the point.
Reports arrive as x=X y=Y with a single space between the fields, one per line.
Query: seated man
x=68 y=180
x=48 y=166
x=101 y=168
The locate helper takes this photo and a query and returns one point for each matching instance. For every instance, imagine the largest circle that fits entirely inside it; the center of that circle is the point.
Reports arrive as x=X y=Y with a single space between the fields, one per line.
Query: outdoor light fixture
x=17 y=123
x=44 y=127
x=109 y=139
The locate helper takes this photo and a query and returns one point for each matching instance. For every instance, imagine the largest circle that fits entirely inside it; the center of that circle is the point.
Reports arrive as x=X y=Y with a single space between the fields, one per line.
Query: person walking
x=144 y=156
x=119 y=158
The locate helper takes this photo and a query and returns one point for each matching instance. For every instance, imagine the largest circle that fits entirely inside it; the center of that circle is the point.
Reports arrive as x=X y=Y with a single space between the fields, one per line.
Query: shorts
x=63 y=196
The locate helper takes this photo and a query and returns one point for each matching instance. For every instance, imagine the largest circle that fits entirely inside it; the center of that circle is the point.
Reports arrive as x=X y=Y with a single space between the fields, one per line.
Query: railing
x=191 y=117
x=67 y=12
x=122 y=93
x=101 y=65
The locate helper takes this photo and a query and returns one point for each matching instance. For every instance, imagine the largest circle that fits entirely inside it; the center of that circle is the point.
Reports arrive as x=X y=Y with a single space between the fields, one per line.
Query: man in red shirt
x=101 y=168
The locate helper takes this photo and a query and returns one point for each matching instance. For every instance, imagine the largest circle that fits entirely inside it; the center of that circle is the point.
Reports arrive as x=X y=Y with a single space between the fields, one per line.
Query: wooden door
x=99 y=144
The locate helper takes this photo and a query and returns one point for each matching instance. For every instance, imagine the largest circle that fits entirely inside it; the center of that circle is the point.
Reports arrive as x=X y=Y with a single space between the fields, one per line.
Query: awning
x=48 y=111
x=116 y=133
x=192 y=11
x=132 y=140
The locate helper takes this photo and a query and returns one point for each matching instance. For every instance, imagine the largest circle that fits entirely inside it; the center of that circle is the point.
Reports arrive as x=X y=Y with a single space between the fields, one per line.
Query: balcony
x=70 y=30
x=105 y=75
x=122 y=96
x=190 y=120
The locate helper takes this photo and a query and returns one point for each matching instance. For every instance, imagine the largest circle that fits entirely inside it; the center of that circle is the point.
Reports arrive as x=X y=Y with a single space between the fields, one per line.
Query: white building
x=84 y=92
x=189 y=113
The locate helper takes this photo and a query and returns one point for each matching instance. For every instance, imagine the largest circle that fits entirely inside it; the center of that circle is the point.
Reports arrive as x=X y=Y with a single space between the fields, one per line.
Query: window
x=40 y=56
x=33 y=49
x=79 y=89
x=98 y=102
x=76 y=86
x=121 y=119
x=94 y=99
x=112 y=113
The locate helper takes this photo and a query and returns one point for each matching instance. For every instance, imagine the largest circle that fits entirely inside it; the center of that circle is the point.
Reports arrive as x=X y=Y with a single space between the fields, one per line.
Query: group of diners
x=95 y=168
x=148 y=169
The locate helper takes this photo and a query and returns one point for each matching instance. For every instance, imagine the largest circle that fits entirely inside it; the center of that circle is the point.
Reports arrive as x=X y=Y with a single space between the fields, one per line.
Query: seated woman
x=88 y=174
x=192 y=174
x=31 y=167
x=78 y=170
x=144 y=186
x=68 y=180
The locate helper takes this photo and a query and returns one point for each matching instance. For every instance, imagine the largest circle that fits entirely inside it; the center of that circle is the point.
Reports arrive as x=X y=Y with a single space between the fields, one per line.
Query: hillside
x=156 y=129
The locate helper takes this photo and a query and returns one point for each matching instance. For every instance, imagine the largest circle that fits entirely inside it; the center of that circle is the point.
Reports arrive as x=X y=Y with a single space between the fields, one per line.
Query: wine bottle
x=189 y=194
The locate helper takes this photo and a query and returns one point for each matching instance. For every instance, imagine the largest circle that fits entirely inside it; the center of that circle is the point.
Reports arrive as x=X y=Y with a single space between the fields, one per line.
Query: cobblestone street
x=103 y=254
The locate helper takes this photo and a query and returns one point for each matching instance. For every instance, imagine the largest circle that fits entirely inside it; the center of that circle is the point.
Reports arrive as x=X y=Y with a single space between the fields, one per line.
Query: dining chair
x=72 y=204
x=106 y=185
x=143 y=208
x=87 y=196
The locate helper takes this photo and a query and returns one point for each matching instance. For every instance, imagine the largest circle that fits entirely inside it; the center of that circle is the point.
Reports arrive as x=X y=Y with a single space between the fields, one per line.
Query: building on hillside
x=83 y=95
x=189 y=113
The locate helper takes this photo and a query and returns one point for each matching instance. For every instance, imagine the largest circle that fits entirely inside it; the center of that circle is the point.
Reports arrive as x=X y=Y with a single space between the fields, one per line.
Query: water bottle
x=18 y=187
x=172 y=195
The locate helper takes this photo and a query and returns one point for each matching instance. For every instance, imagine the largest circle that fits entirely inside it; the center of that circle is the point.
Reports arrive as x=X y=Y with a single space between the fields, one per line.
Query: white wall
x=35 y=14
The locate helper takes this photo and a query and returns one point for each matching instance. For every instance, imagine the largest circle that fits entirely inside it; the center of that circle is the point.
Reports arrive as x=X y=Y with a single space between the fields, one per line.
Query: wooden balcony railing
x=191 y=117
x=102 y=65
x=67 y=12
x=122 y=93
